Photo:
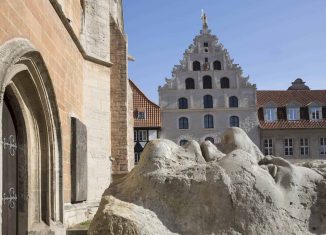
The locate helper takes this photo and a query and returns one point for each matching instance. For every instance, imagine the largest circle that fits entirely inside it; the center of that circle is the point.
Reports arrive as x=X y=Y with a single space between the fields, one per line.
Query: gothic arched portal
x=27 y=91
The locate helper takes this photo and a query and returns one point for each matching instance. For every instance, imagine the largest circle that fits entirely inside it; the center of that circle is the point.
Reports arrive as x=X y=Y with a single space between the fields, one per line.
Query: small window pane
x=190 y=83
x=234 y=121
x=183 y=103
x=208 y=101
x=196 y=66
x=217 y=65
x=225 y=83
x=183 y=123
x=208 y=121
x=207 y=82
x=233 y=102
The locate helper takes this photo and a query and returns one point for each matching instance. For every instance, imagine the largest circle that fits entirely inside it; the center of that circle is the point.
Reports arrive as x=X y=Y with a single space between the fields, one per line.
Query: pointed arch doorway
x=31 y=140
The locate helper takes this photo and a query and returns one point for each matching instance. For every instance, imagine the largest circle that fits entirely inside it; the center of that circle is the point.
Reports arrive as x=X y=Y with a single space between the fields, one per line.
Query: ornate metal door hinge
x=11 y=145
x=12 y=198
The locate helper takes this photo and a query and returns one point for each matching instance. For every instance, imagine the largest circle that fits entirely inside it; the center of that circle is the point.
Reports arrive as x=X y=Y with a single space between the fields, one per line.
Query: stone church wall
x=73 y=38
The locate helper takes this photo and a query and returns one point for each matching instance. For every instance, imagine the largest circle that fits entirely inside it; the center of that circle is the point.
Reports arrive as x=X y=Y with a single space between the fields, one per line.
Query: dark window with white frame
x=288 y=147
x=304 y=146
x=293 y=113
x=233 y=102
x=268 y=146
x=234 y=121
x=183 y=123
x=270 y=114
x=141 y=115
x=323 y=145
x=315 y=113
x=208 y=101
x=183 y=103
x=142 y=135
x=208 y=121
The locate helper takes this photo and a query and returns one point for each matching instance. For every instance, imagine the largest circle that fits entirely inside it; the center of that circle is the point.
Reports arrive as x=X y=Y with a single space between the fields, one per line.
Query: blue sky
x=274 y=42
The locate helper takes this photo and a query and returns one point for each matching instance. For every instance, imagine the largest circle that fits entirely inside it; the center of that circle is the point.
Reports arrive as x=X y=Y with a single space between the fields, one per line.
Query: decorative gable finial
x=204 y=19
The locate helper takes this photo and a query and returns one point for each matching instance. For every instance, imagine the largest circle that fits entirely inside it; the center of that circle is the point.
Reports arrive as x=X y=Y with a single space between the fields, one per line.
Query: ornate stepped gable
x=216 y=51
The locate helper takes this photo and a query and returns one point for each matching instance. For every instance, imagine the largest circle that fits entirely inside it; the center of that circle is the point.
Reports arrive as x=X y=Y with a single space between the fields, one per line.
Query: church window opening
x=217 y=65
x=225 y=83
x=190 y=84
x=205 y=44
x=234 y=121
x=208 y=121
x=208 y=101
x=207 y=82
x=233 y=102
x=183 y=123
x=183 y=103
x=196 y=66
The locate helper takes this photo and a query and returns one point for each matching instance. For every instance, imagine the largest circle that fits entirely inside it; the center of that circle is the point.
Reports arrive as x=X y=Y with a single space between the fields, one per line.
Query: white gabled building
x=206 y=94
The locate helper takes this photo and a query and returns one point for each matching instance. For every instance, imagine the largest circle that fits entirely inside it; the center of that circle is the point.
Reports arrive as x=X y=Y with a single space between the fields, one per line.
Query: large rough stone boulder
x=199 y=190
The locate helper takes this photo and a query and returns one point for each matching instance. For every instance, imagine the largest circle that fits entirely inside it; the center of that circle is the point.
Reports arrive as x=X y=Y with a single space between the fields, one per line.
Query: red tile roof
x=142 y=103
x=282 y=98
x=300 y=124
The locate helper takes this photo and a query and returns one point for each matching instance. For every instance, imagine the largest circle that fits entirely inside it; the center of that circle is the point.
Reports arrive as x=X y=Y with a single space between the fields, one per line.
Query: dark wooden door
x=9 y=174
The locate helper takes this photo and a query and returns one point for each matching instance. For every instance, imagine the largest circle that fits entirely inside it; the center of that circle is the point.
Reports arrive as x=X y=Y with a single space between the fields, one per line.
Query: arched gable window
x=208 y=101
x=183 y=123
x=207 y=82
x=234 y=121
x=211 y=139
x=208 y=121
x=233 y=102
x=225 y=83
x=183 y=142
x=196 y=66
x=217 y=65
x=183 y=103
x=190 y=83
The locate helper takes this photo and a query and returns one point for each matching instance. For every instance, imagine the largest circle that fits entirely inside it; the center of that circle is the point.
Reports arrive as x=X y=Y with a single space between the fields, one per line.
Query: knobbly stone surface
x=199 y=190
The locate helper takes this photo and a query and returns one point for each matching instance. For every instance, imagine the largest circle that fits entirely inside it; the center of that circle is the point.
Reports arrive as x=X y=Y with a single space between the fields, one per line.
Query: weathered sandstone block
x=174 y=190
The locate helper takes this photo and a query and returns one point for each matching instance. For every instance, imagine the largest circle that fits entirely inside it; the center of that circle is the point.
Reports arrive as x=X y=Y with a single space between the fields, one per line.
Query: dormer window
x=293 y=113
x=270 y=114
x=141 y=115
x=315 y=113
